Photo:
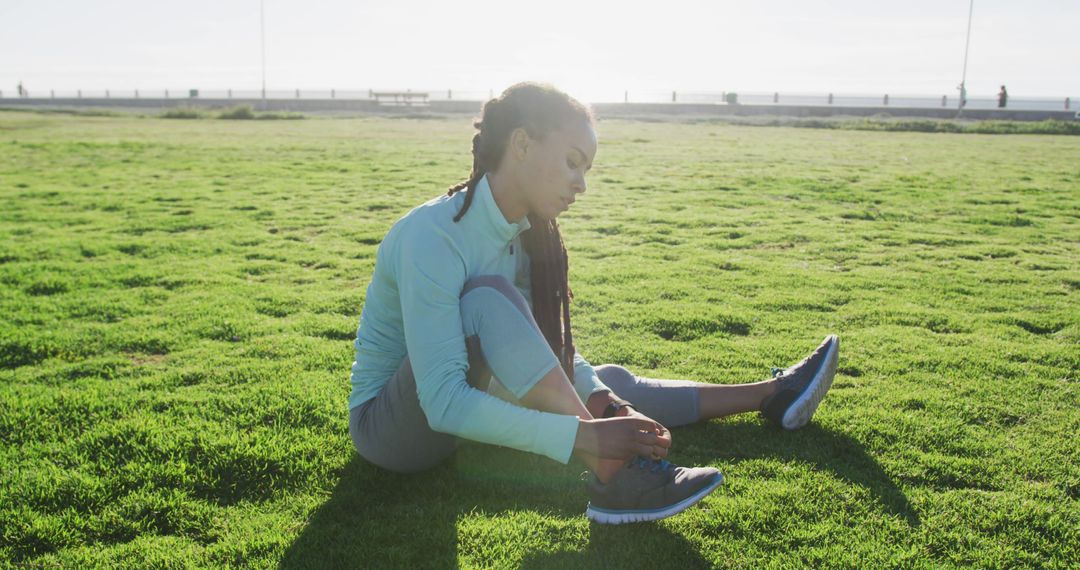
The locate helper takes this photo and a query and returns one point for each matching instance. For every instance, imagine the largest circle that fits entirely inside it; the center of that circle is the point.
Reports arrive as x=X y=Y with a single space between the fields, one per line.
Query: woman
x=465 y=332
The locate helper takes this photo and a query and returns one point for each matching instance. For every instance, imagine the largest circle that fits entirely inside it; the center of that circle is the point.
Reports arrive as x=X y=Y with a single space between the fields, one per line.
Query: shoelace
x=776 y=372
x=654 y=465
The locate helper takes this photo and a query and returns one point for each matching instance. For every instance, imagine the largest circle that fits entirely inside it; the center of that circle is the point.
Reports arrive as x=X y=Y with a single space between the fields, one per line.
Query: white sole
x=802 y=409
x=603 y=516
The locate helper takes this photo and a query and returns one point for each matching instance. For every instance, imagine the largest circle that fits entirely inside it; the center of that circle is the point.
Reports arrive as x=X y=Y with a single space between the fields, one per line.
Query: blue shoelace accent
x=776 y=372
x=654 y=465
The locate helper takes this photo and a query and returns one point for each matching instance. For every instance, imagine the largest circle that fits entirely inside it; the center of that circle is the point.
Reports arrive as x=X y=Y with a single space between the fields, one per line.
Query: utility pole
x=963 y=76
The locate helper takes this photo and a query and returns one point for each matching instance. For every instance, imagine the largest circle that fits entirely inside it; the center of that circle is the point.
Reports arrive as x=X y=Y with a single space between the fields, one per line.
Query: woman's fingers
x=624 y=437
x=663 y=438
x=647 y=437
x=656 y=427
x=658 y=444
x=649 y=451
x=641 y=423
x=656 y=438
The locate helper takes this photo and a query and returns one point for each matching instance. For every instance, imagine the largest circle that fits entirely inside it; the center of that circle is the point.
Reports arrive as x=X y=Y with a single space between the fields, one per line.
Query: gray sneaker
x=802 y=386
x=649 y=490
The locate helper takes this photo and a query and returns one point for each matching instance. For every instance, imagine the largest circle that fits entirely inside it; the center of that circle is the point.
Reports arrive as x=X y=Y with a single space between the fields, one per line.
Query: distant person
x=21 y=90
x=465 y=332
x=1003 y=97
x=963 y=95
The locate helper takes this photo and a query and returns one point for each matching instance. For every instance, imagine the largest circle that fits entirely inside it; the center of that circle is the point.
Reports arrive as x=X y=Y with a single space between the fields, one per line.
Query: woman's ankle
x=606 y=469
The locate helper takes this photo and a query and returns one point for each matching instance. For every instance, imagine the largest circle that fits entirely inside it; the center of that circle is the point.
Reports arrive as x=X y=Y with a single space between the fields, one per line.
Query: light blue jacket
x=412 y=307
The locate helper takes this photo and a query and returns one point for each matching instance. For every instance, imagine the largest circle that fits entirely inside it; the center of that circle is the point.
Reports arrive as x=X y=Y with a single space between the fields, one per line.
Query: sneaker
x=803 y=386
x=649 y=490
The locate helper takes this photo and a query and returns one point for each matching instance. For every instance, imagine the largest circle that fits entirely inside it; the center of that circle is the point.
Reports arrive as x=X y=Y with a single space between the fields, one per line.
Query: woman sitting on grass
x=465 y=332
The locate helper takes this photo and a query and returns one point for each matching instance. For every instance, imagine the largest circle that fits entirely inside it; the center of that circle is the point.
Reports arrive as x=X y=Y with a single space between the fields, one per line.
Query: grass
x=178 y=302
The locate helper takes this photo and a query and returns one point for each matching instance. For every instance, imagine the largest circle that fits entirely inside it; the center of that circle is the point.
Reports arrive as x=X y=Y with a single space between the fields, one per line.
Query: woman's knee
x=615 y=377
x=497 y=315
x=481 y=291
x=670 y=402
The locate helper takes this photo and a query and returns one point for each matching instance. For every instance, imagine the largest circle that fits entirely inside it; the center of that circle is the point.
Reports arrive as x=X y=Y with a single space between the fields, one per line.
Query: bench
x=399 y=97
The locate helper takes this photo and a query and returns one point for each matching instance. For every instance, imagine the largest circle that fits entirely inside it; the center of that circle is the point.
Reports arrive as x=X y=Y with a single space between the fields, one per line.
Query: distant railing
x=347 y=94
x=693 y=97
x=841 y=100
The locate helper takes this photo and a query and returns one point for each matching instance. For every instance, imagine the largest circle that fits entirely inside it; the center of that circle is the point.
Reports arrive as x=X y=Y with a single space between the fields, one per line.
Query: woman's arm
x=589 y=388
x=599 y=402
x=600 y=397
x=430 y=270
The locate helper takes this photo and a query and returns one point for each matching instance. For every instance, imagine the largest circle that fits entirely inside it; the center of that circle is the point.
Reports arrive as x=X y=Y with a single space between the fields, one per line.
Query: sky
x=595 y=50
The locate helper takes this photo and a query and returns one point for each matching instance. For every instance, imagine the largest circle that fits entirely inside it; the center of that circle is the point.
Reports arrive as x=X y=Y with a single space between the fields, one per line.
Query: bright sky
x=592 y=49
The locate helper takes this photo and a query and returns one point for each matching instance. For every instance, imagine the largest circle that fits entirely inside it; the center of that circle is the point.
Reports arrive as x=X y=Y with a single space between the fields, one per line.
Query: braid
x=551 y=289
x=567 y=295
x=474 y=176
x=538 y=109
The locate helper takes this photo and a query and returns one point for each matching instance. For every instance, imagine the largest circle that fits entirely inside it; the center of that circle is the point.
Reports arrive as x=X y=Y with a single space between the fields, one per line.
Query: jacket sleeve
x=430 y=272
x=586 y=382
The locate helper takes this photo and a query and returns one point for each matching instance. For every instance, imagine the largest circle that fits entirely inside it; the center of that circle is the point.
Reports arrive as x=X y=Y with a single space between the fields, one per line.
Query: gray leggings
x=391 y=430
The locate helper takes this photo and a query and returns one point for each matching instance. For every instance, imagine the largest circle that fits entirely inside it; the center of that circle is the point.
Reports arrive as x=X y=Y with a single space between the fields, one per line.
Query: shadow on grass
x=827 y=450
x=377 y=519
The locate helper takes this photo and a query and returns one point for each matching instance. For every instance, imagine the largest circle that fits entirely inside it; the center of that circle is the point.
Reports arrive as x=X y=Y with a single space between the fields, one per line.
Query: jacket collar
x=493 y=223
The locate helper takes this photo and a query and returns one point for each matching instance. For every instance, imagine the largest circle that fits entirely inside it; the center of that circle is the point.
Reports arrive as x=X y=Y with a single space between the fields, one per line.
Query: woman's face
x=553 y=169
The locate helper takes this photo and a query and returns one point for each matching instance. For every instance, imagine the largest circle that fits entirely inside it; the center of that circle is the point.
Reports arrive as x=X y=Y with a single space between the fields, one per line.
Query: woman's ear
x=519 y=143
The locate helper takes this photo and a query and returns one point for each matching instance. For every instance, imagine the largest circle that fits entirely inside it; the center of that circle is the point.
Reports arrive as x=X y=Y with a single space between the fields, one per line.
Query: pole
x=967 y=47
x=262 y=45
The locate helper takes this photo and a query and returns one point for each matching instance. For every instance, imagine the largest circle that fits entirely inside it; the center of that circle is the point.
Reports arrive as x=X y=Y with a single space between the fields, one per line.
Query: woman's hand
x=623 y=437
x=659 y=451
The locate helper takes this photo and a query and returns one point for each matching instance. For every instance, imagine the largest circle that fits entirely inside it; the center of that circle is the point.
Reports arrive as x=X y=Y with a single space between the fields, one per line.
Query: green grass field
x=178 y=301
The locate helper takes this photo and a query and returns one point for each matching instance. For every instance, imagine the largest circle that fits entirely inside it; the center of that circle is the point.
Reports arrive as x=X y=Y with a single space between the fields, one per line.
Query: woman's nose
x=579 y=184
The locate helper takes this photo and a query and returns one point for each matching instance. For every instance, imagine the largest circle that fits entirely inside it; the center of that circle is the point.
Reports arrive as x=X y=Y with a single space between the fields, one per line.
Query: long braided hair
x=539 y=109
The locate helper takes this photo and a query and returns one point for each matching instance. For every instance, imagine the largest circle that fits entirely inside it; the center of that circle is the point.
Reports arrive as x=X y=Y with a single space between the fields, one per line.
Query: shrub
x=1047 y=127
x=246 y=112
x=280 y=115
x=240 y=112
x=183 y=113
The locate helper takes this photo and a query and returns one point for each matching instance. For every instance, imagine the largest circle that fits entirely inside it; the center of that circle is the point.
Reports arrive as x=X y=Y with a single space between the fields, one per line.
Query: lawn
x=178 y=300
